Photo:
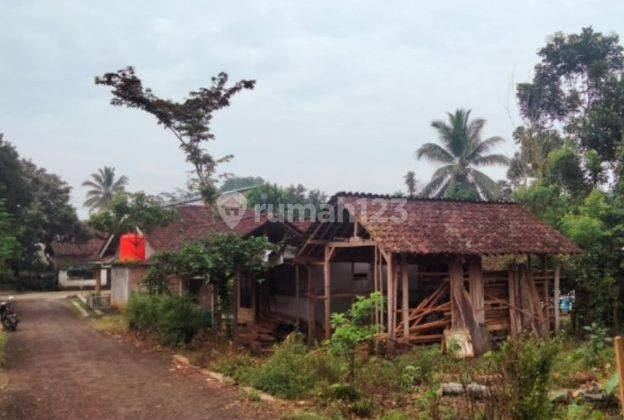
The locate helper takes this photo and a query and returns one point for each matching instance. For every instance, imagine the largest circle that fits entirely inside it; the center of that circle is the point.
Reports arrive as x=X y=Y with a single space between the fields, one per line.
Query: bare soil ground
x=58 y=367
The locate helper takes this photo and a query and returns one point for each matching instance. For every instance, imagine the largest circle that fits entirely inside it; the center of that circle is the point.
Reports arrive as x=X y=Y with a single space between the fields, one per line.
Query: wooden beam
x=297 y=294
x=556 y=297
x=351 y=244
x=477 y=288
x=464 y=316
x=98 y=280
x=405 y=300
x=327 y=282
x=391 y=307
x=311 y=312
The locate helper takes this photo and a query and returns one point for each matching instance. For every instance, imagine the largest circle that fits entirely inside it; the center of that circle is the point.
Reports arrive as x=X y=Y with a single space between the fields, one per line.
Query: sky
x=346 y=90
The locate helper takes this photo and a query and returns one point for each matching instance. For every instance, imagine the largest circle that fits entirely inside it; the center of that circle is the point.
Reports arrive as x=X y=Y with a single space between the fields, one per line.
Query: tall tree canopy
x=276 y=199
x=127 y=212
x=462 y=150
x=103 y=188
x=574 y=118
x=37 y=205
x=578 y=85
x=188 y=120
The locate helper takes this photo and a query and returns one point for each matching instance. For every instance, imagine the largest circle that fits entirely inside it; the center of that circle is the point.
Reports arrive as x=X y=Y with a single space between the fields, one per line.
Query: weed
x=362 y=408
x=4 y=338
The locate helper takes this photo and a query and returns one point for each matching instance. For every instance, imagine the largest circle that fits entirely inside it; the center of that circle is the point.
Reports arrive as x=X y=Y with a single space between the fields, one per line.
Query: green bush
x=292 y=370
x=237 y=365
x=174 y=320
x=525 y=366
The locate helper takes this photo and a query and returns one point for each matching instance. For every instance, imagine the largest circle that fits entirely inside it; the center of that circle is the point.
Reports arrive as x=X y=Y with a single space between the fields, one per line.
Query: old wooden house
x=427 y=257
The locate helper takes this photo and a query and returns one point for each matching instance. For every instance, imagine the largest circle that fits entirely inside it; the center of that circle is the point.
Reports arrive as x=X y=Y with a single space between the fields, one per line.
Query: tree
x=220 y=261
x=104 y=187
x=9 y=247
x=462 y=150
x=354 y=327
x=37 y=203
x=577 y=84
x=188 y=120
x=411 y=183
x=127 y=212
x=238 y=182
x=292 y=201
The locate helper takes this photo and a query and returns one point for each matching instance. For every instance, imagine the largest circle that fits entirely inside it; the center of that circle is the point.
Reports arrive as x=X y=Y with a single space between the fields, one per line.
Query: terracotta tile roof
x=455 y=227
x=195 y=223
x=71 y=252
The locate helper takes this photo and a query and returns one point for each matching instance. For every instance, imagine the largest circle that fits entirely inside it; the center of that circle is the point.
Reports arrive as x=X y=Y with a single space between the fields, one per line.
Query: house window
x=80 y=273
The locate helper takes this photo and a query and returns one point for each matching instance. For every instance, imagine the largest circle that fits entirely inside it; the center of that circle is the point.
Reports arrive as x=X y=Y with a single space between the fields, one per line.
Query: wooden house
x=426 y=256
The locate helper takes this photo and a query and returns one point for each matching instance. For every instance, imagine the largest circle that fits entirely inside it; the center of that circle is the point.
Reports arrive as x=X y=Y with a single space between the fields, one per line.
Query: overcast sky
x=345 y=90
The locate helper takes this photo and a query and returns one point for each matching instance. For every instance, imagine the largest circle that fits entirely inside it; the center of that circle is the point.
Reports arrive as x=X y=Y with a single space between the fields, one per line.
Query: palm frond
x=443 y=171
x=120 y=183
x=486 y=185
x=494 y=159
x=433 y=188
x=435 y=153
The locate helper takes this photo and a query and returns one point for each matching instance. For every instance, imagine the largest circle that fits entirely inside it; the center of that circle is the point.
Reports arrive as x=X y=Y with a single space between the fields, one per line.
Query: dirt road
x=58 y=367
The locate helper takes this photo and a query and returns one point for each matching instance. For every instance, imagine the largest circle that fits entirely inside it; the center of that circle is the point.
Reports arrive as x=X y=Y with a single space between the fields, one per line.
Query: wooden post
x=297 y=294
x=514 y=322
x=477 y=288
x=557 y=295
x=391 y=307
x=327 y=297
x=235 y=303
x=98 y=280
x=464 y=316
x=619 y=359
x=311 y=306
x=405 y=295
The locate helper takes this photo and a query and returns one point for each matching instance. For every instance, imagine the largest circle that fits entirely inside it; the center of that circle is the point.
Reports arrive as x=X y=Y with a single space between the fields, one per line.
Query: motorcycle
x=8 y=318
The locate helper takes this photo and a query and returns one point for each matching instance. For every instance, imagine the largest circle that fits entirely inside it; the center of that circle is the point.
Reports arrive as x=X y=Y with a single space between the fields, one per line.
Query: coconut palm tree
x=461 y=150
x=103 y=188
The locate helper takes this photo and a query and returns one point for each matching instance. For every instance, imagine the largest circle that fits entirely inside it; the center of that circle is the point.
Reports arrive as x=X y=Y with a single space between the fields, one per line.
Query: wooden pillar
x=311 y=307
x=391 y=303
x=557 y=295
x=464 y=316
x=98 y=280
x=375 y=287
x=327 y=297
x=619 y=360
x=477 y=288
x=514 y=321
x=405 y=300
x=297 y=294
x=236 y=304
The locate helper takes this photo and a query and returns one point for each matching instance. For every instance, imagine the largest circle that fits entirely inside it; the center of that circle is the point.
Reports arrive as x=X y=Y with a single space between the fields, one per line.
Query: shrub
x=237 y=365
x=525 y=366
x=362 y=408
x=292 y=370
x=174 y=320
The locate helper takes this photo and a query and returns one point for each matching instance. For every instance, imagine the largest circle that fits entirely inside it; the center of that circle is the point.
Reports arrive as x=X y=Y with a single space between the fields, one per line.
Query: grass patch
x=110 y=324
x=4 y=338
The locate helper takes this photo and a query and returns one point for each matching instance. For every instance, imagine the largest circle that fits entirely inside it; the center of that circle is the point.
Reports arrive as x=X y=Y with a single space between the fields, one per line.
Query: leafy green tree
x=275 y=199
x=218 y=261
x=9 y=247
x=188 y=120
x=411 y=183
x=127 y=212
x=462 y=150
x=103 y=188
x=353 y=328
x=37 y=203
x=238 y=182
x=577 y=84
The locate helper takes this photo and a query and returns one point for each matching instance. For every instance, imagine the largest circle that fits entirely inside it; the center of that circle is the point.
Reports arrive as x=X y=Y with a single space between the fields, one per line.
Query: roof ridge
x=423 y=199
